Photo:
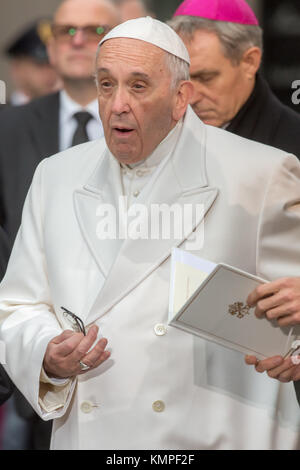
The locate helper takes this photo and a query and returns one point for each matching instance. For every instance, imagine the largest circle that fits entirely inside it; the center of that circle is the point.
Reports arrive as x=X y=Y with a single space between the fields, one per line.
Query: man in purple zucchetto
x=225 y=44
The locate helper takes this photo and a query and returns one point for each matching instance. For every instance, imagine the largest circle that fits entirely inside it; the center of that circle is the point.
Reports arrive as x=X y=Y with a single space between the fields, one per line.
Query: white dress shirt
x=68 y=124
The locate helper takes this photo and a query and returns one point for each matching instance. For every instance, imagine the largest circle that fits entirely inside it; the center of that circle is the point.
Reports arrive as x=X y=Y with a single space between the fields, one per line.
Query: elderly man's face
x=220 y=88
x=72 y=50
x=136 y=101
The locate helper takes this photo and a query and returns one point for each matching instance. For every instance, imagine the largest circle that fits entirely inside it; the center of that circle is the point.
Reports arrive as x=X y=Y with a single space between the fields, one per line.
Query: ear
x=183 y=97
x=251 y=61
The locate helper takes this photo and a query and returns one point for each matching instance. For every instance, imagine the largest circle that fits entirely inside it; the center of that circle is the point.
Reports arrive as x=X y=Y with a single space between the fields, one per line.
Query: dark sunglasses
x=92 y=33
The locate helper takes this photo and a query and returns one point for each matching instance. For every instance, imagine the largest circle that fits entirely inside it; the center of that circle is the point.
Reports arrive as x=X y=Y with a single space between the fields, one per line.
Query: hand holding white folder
x=209 y=300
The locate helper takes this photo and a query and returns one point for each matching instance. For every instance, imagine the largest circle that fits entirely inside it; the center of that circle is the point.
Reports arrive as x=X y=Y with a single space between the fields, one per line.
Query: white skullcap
x=152 y=31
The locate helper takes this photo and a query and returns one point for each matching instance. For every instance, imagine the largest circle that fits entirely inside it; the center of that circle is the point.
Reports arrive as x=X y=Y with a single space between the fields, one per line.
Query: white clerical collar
x=165 y=147
x=69 y=107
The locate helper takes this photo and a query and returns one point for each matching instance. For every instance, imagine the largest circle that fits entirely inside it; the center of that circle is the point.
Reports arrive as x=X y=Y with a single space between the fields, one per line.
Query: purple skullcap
x=234 y=11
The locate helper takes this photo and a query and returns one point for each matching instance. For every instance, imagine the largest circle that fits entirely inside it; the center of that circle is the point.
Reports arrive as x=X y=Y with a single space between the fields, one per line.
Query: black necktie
x=80 y=135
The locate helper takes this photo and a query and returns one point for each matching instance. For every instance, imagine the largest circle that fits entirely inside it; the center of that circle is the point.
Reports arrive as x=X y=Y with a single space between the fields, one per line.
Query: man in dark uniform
x=30 y=71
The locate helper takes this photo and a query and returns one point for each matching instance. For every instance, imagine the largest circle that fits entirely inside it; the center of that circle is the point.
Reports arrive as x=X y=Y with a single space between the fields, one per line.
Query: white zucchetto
x=152 y=31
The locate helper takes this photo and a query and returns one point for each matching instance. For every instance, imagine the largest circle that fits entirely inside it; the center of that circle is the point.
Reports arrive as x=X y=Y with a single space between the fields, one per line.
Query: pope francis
x=85 y=315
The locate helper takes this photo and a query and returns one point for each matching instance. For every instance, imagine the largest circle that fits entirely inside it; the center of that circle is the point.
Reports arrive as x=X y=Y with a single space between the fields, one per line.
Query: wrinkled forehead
x=81 y=12
x=131 y=51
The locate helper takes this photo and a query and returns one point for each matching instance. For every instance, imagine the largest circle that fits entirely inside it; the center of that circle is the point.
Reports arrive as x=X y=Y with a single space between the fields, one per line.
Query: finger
x=285 y=315
x=96 y=356
x=269 y=303
x=296 y=372
x=263 y=290
x=64 y=335
x=269 y=364
x=69 y=345
x=280 y=311
x=275 y=371
x=85 y=344
x=251 y=360
x=104 y=356
x=258 y=312
x=292 y=373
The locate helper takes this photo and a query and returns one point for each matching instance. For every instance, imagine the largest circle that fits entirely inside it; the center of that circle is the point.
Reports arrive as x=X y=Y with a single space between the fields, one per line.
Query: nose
x=78 y=38
x=120 y=101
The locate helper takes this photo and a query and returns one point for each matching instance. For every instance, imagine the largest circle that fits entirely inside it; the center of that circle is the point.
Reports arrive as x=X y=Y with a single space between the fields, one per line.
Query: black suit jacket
x=28 y=134
x=6 y=386
x=265 y=119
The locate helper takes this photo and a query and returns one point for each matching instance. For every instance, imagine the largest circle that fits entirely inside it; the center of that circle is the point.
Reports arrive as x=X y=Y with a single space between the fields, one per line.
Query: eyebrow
x=205 y=73
x=141 y=75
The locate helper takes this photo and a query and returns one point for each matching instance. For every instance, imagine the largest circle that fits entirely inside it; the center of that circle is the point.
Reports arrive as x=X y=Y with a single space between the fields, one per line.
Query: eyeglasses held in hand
x=76 y=322
x=91 y=33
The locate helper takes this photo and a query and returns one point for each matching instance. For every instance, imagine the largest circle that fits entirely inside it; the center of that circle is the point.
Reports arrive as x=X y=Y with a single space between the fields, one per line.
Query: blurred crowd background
x=280 y=21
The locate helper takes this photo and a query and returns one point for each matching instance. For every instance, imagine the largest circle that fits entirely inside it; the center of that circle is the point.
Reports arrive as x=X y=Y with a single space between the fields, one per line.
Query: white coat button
x=136 y=193
x=158 y=406
x=160 y=329
x=86 y=407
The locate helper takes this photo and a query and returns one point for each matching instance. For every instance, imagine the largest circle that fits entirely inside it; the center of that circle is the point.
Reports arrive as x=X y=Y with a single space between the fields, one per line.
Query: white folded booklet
x=209 y=300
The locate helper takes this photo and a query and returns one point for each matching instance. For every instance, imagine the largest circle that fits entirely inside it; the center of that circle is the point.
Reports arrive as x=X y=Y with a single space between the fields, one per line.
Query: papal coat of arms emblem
x=239 y=309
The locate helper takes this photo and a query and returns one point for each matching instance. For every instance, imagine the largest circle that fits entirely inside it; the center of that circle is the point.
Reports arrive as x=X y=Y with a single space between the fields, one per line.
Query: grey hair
x=178 y=68
x=235 y=38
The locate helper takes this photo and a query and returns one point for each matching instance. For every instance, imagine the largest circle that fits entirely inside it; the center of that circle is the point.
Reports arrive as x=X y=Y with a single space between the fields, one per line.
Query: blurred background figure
x=6 y=385
x=225 y=44
x=60 y=120
x=30 y=71
x=130 y=9
x=39 y=129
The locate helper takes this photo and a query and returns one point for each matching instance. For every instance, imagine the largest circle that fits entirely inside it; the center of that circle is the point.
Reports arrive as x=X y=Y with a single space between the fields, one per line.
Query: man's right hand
x=64 y=352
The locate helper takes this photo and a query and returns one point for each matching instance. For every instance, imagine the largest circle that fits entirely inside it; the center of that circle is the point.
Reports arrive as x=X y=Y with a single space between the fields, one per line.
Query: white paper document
x=209 y=300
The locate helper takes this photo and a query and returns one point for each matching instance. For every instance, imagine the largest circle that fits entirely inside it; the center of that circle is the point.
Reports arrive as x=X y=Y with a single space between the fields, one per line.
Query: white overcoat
x=157 y=391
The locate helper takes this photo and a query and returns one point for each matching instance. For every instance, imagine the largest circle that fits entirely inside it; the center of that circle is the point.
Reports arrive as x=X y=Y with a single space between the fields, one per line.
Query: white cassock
x=162 y=388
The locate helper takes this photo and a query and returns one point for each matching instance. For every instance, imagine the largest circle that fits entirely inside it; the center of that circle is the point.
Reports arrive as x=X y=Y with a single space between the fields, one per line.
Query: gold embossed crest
x=239 y=309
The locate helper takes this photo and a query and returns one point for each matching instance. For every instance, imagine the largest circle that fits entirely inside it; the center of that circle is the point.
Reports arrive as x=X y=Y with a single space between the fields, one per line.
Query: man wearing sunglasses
x=52 y=123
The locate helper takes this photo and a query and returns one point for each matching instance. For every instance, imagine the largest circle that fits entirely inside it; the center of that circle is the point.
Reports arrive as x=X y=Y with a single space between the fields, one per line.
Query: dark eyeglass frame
x=75 y=320
x=69 y=31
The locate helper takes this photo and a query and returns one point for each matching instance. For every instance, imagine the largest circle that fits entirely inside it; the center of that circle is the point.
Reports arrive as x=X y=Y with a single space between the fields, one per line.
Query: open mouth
x=122 y=130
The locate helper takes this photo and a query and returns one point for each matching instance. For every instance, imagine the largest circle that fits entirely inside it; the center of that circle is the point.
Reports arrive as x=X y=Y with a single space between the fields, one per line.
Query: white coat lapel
x=100 y=193
x=182 y=181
